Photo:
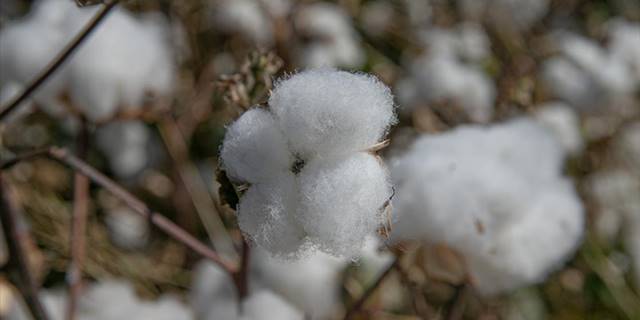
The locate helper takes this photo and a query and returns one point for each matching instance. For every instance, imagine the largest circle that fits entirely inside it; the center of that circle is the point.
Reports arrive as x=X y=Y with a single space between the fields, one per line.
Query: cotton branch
x=160 y=221
x=78 y=226
x=18 y=263
x=56 y=63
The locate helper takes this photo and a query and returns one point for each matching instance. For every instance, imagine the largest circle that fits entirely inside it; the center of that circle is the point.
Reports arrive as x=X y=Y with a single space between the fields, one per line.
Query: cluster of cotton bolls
x=591 y=77
x=110 y=300
x=494 y=194
x=450 y=72
x=313 y=182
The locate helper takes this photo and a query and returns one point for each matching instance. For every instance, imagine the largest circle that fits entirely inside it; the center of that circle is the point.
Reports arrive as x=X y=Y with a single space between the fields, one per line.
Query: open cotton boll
x=134 y=61
x=254 y=149
x=625 y=44
x=327 y=112
x=467 y=41
x=125 y=146
x=342 y=202
x=213 y=294
x=245 y=17
x=490 y=193
x=335 y=41
x=267 y=215
x=568 y=82
x=127 y=229
x=311 y=283
x=564 y=123
x=445 y=79
x=267 y=305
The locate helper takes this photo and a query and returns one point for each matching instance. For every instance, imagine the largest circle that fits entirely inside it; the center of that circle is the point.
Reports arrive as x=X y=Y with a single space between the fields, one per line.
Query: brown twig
x=17 y=256
x=241 y=277
x=55 y=64
x=160 y=221
x=356 y=306
x=78 y=225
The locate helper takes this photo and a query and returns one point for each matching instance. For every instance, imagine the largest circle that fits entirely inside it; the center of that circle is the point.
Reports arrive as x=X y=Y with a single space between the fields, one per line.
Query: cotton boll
x=254 y=149
x=266 y=215
x=245 y=17
x=131 y=66
x=341 y=201
x=311 y=283
x=615 y=193
x=335 y=44
x=567 y=82
x=267 y=305
x=564 y=124
x=518 y=14
x=125 y=146
x=625 y=44
x=213 y=294
x=127 y=229
x=325 y=112
x=442 y=78
x=491 y=194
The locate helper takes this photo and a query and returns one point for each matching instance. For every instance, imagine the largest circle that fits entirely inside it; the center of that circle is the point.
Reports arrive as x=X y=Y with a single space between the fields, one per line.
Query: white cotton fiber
x=213 y=294
x=516 y=14
x=494 y=194
x=343 y=201
x=312 y=182
x=564 y=123
x=325 y=112
x=335 y=42
x=267 y=305
x=267 y=215
x=124 y=144
x=311 y=283
x=254 y=148
x=127 y=229
x=624 y=37
x=245 y=17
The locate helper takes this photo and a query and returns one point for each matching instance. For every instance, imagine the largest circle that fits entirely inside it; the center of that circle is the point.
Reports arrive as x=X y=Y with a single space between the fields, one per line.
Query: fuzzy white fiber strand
x=496 y=195
x=312 y=183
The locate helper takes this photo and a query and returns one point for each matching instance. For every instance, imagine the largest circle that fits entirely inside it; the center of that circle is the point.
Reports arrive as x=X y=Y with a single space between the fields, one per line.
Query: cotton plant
x=118 y=68
x=496 y=195
x=109 y=300
x=212 y=298
x=333 y=40
x=588 y=76
x=449 y=72
x=306 y=160
x=518 y=15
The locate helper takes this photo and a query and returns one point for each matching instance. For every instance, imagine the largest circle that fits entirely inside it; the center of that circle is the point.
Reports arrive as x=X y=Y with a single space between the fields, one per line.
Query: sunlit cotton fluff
x=109 y=300
x=312 y=183
x=125 y=61
x=496 y=195
x=334 y=43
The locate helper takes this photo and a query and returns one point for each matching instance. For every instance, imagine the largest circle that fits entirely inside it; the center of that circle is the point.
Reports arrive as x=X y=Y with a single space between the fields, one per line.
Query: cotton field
x=334 y=159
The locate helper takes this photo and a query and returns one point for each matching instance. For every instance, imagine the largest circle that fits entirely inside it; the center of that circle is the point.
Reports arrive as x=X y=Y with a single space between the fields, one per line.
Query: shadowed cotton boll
x=586 y=75
x=127 y=229
x=496 y=195
x=110 y=300
x=624 y=37
x=213 y=296
x=311 y=283
x=125 y=146
x=335 y=44
x=518 y=14
x=245 y=17
x=312 y=183
x=28 y=45
x=564 y=123
x=135 y=60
